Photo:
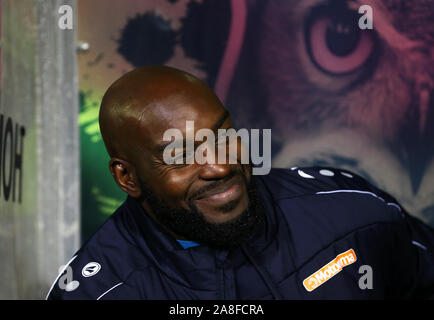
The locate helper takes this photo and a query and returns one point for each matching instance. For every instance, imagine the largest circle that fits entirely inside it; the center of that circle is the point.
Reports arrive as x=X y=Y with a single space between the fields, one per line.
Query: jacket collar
x=158 y=244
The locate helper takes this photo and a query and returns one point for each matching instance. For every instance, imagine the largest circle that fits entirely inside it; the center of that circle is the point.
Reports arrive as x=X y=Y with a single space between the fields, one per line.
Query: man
x=215 y=231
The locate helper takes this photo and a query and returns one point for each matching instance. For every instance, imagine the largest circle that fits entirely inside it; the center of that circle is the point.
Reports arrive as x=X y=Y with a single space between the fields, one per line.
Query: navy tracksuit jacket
x=328 y=235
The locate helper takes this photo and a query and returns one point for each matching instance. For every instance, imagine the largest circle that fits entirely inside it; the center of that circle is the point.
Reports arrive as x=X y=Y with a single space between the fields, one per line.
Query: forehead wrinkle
x=167 y=110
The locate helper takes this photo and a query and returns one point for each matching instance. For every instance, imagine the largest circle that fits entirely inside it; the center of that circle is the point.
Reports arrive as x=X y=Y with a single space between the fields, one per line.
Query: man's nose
x=214 y=171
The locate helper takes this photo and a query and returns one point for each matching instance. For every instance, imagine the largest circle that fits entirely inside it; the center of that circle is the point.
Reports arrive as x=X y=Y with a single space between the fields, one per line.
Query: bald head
x=136 y=113
x=144 y=97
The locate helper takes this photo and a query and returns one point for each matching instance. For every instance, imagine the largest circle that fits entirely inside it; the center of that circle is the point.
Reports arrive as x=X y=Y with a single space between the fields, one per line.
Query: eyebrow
x=160 y=148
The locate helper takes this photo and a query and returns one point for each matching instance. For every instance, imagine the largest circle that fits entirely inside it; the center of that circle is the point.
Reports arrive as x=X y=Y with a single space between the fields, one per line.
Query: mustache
x=217 y=184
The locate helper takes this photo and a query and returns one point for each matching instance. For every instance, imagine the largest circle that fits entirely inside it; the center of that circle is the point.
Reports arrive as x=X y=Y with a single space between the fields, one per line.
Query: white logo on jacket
x=91 y=269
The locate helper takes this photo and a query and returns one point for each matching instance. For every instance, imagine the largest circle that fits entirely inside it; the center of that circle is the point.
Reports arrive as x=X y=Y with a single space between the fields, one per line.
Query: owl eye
x=335 y=42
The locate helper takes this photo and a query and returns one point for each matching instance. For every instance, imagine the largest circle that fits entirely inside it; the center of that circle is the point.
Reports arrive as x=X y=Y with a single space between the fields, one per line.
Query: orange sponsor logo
x=329 y=270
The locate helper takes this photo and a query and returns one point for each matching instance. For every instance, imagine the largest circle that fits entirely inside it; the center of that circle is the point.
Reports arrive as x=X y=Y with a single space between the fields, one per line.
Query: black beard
x=192 y=225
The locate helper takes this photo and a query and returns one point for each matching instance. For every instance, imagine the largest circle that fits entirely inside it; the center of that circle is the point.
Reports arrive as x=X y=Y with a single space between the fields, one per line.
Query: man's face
x=218 y=190
x=193 y=198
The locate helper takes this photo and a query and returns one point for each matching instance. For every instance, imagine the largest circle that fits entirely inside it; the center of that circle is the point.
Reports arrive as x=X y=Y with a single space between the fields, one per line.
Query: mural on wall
x=333 y=94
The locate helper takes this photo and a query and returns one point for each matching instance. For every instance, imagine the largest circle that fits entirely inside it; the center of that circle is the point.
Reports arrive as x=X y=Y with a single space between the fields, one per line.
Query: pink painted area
x=233 y=48
x=332 y=63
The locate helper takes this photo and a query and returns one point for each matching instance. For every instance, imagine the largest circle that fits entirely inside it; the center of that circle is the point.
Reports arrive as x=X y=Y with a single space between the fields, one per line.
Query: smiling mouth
x=223 y=194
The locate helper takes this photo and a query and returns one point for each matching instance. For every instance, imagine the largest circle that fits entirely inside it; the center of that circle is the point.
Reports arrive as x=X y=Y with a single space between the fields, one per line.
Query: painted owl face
x=363 y=89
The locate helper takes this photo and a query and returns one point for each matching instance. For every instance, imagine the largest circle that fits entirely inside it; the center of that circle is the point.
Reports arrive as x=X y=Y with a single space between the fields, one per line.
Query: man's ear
x=125 y=176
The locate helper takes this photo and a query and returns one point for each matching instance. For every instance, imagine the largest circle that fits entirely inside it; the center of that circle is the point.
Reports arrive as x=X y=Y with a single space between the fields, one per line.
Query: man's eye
x=179 y=155
x=183 y=156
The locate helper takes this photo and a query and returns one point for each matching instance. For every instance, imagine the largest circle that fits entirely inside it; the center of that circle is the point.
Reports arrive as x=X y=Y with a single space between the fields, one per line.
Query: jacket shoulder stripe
x=61 y=272
x=116 y=285
x=363 y=192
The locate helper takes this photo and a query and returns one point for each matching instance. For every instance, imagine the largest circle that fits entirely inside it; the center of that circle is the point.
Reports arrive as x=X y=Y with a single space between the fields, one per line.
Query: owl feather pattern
x=382 y=101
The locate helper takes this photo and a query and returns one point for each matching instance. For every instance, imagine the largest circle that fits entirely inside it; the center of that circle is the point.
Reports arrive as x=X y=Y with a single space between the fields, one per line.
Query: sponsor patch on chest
x=329 y=270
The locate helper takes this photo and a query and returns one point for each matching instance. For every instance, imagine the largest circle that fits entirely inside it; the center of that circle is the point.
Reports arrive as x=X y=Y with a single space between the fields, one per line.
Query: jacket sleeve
x=422 y=242
x=412 y=270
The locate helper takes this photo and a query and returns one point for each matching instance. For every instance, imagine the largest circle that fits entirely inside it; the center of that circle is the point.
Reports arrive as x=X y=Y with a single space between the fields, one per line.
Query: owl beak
x=418 y=140
x=425 y=101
